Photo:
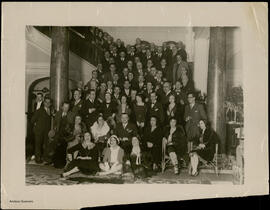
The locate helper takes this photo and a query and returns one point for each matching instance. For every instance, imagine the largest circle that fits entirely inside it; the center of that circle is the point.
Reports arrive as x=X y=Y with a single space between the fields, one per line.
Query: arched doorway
x=40 y=85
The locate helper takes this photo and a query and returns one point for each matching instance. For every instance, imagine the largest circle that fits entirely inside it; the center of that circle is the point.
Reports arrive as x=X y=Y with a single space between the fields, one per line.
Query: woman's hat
x=115 y=137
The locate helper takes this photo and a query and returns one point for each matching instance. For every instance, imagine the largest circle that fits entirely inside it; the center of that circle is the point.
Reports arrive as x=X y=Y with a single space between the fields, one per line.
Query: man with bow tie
x=42 y=124
x=126 y=91
x=125 y=130
x=89 y=109
x=155 y=108
x=108 y=108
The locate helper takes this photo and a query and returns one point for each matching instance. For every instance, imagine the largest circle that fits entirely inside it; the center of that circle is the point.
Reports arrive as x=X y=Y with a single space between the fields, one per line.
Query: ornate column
x=201 y=50
x=59 y=66
x=216 y=83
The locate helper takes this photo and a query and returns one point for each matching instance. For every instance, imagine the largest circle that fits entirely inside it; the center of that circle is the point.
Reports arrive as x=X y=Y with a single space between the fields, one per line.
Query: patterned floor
x=48 y=175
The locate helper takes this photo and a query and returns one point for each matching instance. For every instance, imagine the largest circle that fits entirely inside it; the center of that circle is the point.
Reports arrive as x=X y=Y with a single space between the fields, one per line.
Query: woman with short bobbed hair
x=153 y=141
x=112 y=158
x=87 y=159
x=204 y=147
x=100 y=131
x=175 y=142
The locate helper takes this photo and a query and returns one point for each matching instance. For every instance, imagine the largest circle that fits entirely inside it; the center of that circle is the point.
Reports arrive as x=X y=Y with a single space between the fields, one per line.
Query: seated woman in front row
x=175 y=141
x=86 y=160
x=204 y=148
x=112 y=158
x=140 y=161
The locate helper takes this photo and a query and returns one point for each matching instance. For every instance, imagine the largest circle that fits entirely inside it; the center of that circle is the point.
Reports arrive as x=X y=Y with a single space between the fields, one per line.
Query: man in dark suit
x=62 y=117
x=181 y=101
x=132 y=80
x=76 y=104
x=120 y=45
x=116 y=79
x=194 y=112
x=139 y=70
x=167 y=53
x=121 y=61
x=63 y=120
x=148 y=91
x=125 y=131
x=114 y=53
x=178 y=68
x=131 y=54
x=90 y=109
x=116 y=97
x=182 y=51
x=155 y=108
x=130 y=66
x=106 y=61
x=39 y=102
x=123 y=76
x=147 y=56
x=108 y=108
x=158 y=57
x=140 y=86
x=165 y=94
x=126 y=90
x=42 y=125
x=166 y=70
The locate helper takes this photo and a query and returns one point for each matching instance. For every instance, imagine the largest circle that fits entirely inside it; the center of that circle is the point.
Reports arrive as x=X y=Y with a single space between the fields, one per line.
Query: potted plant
x=234 y=105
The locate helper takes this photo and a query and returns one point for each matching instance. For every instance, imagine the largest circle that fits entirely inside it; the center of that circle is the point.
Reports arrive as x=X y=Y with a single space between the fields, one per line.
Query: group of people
x=139 y=99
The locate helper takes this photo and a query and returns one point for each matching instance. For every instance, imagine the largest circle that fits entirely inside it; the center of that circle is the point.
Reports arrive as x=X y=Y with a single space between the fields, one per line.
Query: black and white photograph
x=121 y=103
x=134 y=105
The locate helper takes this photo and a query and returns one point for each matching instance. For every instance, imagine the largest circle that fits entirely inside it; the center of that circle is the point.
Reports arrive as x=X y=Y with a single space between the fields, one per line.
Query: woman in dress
x=78 y=128
x=175 y=142
x=204 y=148
x=100 y=131
x=153 y=141
x=172 y=109
x=140 y=111
x=87 y=159
x=112 y=158
x=139 y=161
x=123 y=107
